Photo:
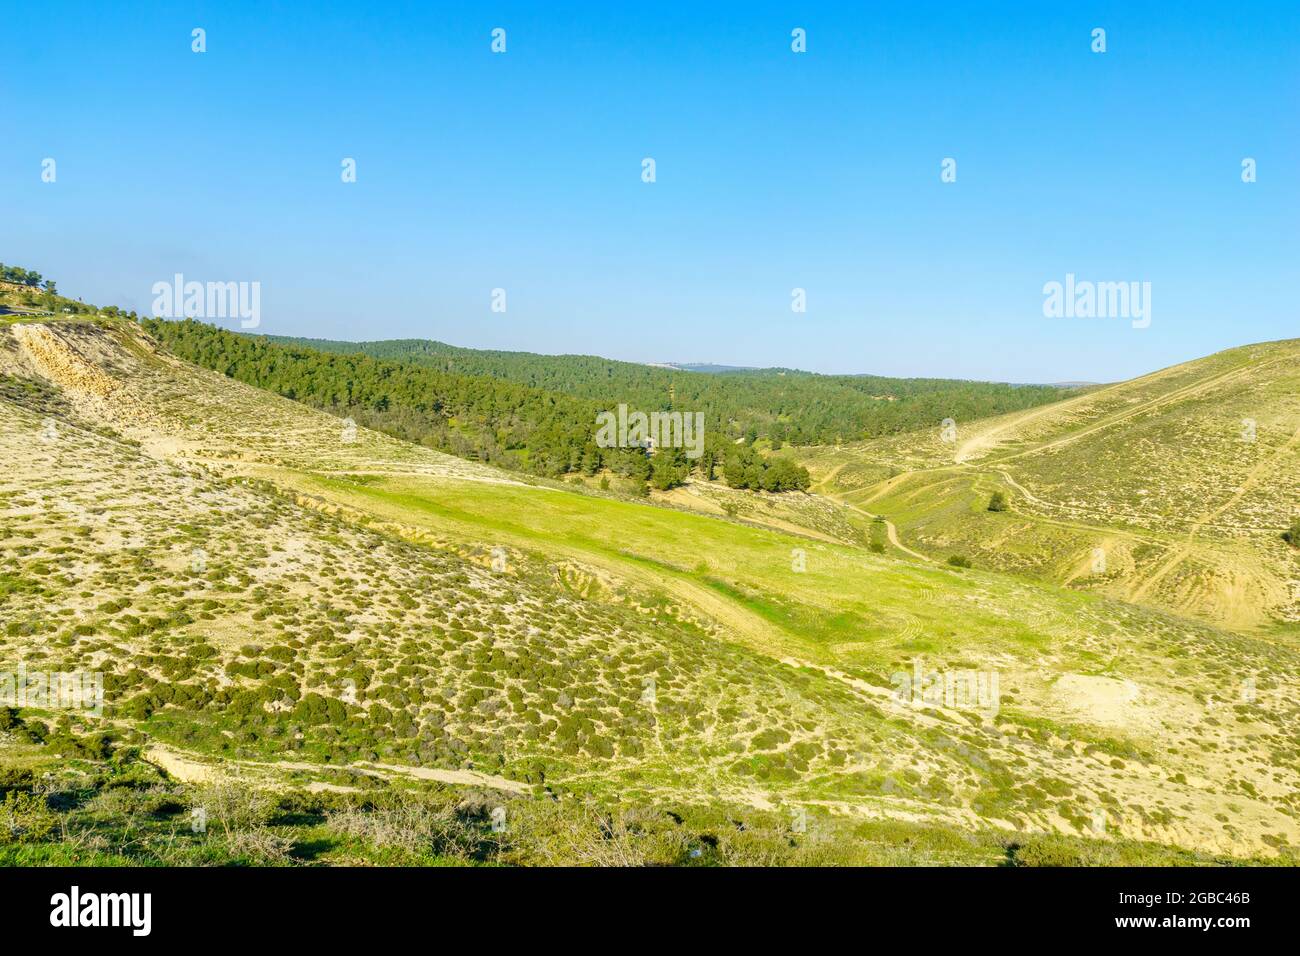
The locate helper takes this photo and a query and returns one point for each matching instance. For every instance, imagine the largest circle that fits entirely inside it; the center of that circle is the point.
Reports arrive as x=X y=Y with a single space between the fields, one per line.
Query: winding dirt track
x=891 y=532
x=1185 y=550
x=985 y=440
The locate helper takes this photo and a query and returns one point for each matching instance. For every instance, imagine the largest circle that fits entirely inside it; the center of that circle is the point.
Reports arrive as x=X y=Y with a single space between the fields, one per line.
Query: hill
x=785 y=405
x=1173 y=489
x=702 y=367
x=278 y=599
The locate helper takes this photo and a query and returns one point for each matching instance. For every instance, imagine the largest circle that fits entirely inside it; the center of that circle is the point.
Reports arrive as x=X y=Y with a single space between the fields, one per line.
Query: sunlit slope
x=545 y=637
x=1172 y=489
x=114 y=373
x=232 y=623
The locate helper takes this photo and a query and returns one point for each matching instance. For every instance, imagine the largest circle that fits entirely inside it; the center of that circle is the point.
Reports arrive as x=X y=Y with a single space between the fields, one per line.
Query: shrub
x=16 y=778
x=959 y=561
x=571 y=834
x=998 y=502
x=232 y=807
x=1292 y=534
x=412 y=826
x=1055 y=850
x=259 y=845
x=25 y=818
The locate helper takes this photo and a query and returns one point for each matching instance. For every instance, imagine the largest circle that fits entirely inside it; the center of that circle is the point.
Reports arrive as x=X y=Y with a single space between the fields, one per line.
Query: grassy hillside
x=1172 y=490
x=277 y=600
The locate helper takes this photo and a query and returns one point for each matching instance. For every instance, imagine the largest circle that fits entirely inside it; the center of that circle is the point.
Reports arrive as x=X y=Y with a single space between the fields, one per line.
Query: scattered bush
x=25 y=818
x=232 y=807
x=416 y=827
x=259 y=845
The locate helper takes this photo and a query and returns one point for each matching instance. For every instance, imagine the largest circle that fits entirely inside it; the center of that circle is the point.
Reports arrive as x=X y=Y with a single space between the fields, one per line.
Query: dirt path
x=464 y=778
x=1158 y=402
x=1185 y=550
x=891 y=532
x=830 y=476
x=689 y=498
x=985 y=440
x=184 y=767
x=179 y=765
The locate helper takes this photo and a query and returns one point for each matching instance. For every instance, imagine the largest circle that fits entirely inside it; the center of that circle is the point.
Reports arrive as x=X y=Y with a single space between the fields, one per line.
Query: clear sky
x=775 y=170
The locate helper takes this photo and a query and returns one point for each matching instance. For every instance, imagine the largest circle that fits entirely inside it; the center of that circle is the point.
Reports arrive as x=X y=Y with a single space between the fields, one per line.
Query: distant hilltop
x=711 y=367
x=702 y=367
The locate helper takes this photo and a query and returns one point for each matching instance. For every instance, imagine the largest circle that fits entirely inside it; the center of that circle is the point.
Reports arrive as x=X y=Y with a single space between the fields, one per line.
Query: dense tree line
x=784 y=405
x=479 y=417
x=495 y=421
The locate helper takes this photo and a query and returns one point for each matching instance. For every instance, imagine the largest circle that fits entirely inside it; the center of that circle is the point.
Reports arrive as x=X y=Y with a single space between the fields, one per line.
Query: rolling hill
x=787 y=405
x=1171 y=490
x=281 y=598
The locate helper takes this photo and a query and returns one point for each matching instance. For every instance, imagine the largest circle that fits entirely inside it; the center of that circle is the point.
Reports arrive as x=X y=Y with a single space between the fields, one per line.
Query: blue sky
x=775 y=170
